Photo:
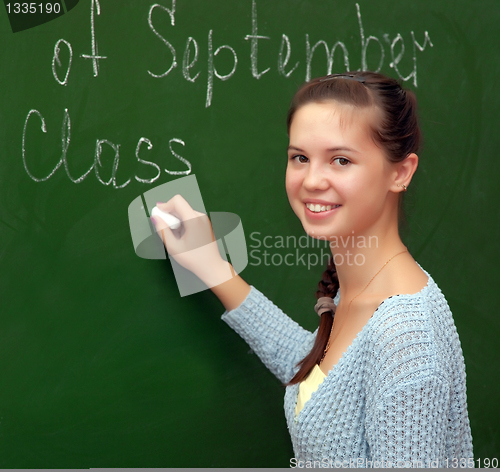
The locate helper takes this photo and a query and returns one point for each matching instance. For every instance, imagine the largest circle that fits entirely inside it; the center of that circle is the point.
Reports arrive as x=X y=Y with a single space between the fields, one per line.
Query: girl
x=382 y=380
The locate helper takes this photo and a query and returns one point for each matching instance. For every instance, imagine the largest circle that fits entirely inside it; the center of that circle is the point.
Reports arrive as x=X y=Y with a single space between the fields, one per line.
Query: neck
x=359 y=257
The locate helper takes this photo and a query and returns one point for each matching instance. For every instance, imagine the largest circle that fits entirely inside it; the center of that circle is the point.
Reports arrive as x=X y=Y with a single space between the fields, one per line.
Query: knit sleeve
x=278 y=341
x=407 y=426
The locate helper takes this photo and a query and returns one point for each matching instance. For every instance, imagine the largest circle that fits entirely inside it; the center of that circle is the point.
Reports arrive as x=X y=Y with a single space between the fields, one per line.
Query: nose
x=315 y=178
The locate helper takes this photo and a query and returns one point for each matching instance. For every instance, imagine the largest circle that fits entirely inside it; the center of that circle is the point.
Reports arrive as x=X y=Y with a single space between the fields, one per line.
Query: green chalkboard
x=103 y=363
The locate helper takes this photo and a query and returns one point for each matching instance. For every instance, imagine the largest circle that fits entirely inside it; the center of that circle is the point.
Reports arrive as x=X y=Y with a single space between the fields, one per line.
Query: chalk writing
x=421 y=49
x=187 y=63
x=148 y=163
x=211 y=68
x=94 y=6
x=192 y=47
x=97 y=164
x=65 y=140
x=116 y=161
x=254 y=37
x=185 y=161
x=55 y=58
x=44 y=129
x=171 y=12
x=365 y=42
x=338 y=58
x=329 y=55
x=282 y=63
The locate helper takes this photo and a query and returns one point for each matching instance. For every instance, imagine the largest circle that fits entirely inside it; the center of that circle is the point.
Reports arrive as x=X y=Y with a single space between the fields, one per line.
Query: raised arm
x=278 y=340
x=194 y=247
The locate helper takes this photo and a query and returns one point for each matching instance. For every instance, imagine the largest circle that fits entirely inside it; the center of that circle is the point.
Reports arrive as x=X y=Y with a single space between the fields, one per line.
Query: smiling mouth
x=317 y=208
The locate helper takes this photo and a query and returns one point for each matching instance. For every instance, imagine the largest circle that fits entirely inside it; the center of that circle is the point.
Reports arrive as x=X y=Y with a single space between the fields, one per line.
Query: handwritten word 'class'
x=97 y=164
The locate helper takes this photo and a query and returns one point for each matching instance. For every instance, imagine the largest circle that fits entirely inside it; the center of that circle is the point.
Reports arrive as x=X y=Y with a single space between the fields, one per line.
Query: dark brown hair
x=397 y=132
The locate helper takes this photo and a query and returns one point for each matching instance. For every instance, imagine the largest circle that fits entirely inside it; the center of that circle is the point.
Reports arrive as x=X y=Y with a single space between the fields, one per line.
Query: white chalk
x=171 y=220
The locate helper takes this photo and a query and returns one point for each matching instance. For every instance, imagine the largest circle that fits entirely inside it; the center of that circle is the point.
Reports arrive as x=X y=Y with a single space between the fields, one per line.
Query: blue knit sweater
x=397 y=397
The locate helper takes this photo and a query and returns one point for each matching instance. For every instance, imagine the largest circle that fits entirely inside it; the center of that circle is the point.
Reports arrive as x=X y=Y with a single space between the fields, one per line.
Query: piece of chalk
x=171 y=220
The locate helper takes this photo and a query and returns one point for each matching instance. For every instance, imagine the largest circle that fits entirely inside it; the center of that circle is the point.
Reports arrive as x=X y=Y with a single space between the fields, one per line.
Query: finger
x=169 y=237
x=168 y=218
x=179 y=207
x=159 y=224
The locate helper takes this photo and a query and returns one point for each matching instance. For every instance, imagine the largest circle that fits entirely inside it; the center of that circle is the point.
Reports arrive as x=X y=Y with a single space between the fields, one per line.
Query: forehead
x=332 y=116
x=320 y=127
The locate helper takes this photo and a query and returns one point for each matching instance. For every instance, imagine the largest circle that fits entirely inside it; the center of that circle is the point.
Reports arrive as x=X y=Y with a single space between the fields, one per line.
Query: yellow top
x=309 y=385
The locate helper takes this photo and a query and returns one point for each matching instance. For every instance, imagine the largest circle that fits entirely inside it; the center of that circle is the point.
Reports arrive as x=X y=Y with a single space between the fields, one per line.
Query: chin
x=317 y=233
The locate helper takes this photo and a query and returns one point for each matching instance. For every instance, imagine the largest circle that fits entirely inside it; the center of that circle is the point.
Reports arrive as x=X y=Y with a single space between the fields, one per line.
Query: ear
x=404 y=173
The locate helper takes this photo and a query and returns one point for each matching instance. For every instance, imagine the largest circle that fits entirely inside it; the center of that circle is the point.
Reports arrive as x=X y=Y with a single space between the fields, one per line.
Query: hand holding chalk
x=170 y=220
x=193 y=245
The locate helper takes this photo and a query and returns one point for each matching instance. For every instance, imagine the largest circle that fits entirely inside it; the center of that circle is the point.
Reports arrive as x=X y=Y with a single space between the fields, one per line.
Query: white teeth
x=319 y=208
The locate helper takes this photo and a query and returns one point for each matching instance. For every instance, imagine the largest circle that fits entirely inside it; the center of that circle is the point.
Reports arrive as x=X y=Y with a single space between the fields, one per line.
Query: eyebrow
x=334 y=149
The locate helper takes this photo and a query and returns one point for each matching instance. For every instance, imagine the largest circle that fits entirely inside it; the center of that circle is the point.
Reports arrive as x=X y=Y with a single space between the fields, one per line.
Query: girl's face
x=338 y=179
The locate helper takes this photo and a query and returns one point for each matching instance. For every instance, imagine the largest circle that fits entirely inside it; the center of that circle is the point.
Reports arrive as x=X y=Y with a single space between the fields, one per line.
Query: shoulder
x=412 y=338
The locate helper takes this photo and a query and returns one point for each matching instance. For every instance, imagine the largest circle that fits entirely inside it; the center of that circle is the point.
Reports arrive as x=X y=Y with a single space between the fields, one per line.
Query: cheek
x=292 y=183
x=347 y=188
x=365 y=184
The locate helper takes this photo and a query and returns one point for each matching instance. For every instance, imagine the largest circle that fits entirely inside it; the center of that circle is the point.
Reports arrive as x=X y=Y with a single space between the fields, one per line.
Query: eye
x=299 y=158
x=342 y=161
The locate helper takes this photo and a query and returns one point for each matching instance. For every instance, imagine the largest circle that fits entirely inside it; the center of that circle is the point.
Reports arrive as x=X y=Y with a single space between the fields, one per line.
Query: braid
x=329 y=283
x=327 y=287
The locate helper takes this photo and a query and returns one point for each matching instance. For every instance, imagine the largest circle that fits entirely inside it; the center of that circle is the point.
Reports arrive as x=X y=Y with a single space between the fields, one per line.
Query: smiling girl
x=382 y=380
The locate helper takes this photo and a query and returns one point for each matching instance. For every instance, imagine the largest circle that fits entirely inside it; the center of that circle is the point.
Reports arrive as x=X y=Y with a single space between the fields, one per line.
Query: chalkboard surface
x=103 y=364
